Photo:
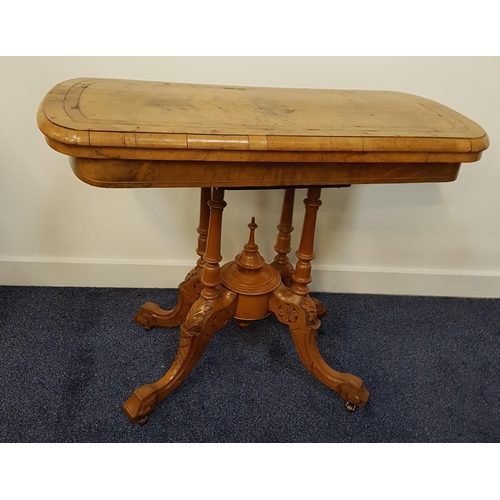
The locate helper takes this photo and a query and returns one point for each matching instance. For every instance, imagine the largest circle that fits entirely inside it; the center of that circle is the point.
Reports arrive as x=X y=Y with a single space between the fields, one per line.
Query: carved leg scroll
x=204 y=318
x=294 y=307
x=209 y=313
x=300 y=314
x=151 y=314
x=349 y=387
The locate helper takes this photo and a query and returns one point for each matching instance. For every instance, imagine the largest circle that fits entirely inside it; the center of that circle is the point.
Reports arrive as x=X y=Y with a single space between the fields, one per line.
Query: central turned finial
x=250 y=257
x=251 y=246
x=252 y=279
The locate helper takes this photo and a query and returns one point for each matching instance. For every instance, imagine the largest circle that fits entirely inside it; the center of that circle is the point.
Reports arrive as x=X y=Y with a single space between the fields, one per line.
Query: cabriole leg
x=210 y=312
x=294 y=307
x=204 y=318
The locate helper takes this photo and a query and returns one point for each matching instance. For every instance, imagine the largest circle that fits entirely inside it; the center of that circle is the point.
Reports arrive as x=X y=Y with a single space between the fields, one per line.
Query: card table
x=142 y=134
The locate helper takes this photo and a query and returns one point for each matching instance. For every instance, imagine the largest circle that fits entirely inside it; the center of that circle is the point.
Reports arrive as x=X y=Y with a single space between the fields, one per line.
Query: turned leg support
x=294 y=307
x=283 y=241
x=209 y=313
x=283 y=245
x=150 y=314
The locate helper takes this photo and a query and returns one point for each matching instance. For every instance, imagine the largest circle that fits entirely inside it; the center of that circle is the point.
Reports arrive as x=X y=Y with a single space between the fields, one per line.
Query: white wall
x=433 y=239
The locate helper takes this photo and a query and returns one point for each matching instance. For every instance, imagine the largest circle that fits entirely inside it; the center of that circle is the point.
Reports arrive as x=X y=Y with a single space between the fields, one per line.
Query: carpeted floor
x=69 y=358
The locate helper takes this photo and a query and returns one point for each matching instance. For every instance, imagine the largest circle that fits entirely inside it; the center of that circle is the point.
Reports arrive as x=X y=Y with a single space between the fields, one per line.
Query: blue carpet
x=69 y=358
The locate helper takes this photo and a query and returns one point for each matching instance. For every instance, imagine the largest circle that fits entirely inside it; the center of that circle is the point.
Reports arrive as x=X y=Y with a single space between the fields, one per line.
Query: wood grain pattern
x=139 y=114
x=147 y=174
x=264 y=156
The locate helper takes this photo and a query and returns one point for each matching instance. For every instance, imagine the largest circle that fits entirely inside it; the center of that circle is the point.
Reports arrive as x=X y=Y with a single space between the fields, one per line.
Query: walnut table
x=139 y=134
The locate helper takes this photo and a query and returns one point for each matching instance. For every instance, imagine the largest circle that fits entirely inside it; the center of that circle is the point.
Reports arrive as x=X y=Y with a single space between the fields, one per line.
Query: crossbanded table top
x=134 y=114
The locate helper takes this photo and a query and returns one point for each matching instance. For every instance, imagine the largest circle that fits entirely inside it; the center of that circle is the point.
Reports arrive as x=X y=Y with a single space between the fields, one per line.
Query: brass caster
x=148 y=328
x=142 y=421
x=350 y=407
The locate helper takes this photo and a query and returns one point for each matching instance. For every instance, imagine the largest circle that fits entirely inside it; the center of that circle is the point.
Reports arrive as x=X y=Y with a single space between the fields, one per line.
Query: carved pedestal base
x=206 y=317
x=247 y=289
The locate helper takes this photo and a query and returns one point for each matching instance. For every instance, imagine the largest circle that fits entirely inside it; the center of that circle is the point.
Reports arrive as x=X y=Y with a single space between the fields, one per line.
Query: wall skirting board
x=170 y=274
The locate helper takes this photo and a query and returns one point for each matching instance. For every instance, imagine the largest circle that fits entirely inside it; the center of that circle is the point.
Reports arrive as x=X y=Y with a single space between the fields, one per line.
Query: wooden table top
x=141 y=126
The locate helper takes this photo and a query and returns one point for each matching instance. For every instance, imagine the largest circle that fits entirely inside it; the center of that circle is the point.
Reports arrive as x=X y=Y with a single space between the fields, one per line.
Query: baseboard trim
x=325 y=279
x=97 y=273
x=408 y=282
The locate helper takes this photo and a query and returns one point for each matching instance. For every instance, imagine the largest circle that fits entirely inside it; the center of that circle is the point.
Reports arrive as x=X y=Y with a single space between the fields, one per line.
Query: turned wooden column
x=211 y=271
x=202 y=229
x=283 y=241
x=305 y=254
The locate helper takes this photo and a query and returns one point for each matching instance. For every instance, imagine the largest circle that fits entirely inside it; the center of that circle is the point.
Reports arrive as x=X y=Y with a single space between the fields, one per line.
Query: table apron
x=113 y=173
